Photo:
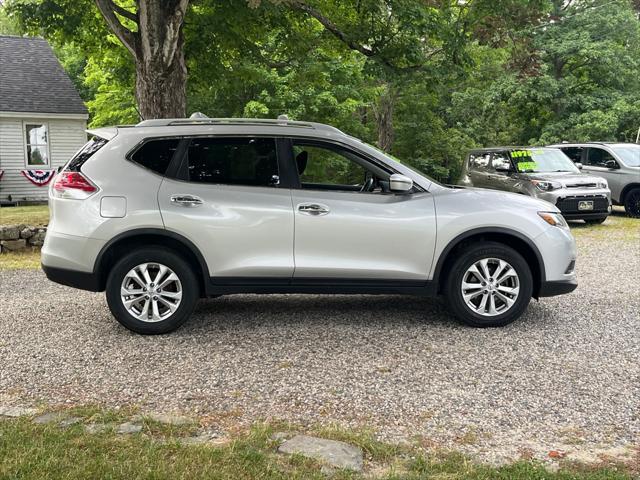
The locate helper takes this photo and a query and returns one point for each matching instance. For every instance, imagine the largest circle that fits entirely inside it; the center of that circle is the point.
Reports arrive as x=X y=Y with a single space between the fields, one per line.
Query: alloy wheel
x=151 y=292
x=490 y=287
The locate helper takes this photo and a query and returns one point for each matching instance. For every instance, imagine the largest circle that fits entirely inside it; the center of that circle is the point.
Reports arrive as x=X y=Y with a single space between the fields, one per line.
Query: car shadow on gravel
x=242 y=312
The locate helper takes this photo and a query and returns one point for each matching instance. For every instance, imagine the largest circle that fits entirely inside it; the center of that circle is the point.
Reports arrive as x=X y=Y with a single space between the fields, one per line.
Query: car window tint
x=574 y=153
x=156 y=154
x=233 y=161
x=323 y=166
x=597 y=157
x=500 y=160
x=479 y=161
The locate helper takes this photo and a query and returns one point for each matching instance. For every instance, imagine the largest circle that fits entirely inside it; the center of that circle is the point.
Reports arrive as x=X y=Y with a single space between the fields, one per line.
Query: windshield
x=629 y=154
x=537 y=160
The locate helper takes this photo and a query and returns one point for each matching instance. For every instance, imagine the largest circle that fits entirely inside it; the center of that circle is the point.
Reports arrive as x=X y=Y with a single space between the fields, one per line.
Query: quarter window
x=37 y=144
x=156 y=154
x=233 y=161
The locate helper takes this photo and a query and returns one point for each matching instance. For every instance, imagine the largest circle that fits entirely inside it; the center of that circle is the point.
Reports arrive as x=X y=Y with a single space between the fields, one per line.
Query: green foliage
x=454 y=75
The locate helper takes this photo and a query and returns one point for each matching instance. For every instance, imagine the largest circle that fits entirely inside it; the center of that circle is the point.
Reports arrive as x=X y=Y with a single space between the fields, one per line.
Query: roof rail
x=166 y=122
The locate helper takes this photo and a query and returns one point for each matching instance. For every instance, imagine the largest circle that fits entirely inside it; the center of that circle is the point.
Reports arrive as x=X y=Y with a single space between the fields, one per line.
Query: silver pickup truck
x=544 y=173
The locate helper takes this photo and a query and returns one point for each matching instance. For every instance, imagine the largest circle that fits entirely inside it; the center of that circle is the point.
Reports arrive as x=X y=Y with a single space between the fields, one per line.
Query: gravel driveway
x=566 y=376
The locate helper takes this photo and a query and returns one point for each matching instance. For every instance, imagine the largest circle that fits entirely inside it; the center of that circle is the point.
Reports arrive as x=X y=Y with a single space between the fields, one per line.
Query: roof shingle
x=32 y=79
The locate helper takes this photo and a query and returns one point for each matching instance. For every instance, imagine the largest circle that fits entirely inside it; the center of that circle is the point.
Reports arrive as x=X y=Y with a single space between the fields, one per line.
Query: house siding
x=65 y=137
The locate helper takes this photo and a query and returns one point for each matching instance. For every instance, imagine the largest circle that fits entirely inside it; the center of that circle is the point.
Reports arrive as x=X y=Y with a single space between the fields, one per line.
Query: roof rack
x=167 y=122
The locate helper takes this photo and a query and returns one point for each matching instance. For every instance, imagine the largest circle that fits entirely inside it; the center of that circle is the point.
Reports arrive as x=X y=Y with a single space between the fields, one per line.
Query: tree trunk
x=383 y=114
x=157 y=45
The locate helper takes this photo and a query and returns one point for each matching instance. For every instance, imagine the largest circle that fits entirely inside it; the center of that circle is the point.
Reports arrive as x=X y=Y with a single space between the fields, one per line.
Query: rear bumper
x=73 y=278
x=558 y=287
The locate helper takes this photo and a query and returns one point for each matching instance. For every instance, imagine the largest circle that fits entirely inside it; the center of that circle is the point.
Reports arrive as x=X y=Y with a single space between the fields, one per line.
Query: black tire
x=632 y=203
x=595 y=221
x=464 y=261
x=184 y=272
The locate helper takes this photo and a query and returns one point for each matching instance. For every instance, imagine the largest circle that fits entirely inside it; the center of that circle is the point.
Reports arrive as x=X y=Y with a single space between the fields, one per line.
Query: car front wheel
x=632 y=203
x=489 y=285
x=152 y=291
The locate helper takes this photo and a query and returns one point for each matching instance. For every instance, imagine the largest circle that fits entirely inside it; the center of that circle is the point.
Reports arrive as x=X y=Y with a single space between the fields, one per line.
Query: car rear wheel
x=489 y=285
x=595 y=221
x=632 y=203
x=152 y=291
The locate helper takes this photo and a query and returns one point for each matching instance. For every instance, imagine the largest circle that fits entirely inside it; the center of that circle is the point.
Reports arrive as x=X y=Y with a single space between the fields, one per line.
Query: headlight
x=546 y=186
x=554 y=218
x=602 y=183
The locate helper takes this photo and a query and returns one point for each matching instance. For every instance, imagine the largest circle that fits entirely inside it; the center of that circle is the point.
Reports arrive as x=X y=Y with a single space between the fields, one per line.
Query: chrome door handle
x=186 y=200
x=313 y=209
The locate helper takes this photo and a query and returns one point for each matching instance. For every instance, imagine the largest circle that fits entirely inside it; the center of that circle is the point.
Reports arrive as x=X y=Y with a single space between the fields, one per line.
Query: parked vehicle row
x=165 y=212
x=582 y=180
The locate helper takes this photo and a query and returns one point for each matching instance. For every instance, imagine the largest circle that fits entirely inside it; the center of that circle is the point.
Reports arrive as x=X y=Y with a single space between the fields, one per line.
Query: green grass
x=30 y=451
x=28 y=259
x=36 y=215
x=618 y=226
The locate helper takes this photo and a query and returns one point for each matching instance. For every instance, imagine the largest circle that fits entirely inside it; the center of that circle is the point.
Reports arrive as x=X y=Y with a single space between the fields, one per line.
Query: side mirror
x=400 y=183
x=611 y=164
x=579 y=165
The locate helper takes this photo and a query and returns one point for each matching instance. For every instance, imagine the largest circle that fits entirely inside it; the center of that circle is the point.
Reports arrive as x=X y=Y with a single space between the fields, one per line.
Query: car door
x=227 y=199
x=478 y=169
x=349 y=226
x=595 y=162
x=501 y=180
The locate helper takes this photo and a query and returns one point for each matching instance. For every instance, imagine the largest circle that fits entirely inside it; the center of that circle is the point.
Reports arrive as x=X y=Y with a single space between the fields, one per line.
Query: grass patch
x=36 y=215
x=31 y=451
x=618 y=226
x=28 y=258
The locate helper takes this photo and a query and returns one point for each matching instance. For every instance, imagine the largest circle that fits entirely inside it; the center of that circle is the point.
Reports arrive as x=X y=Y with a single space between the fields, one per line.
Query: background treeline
x=423 y=79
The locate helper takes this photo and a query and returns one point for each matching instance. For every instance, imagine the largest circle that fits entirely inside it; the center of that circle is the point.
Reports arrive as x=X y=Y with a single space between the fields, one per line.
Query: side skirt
x=231 y=285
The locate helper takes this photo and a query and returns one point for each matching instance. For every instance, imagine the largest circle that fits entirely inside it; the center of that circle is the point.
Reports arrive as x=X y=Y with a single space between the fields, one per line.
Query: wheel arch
x=625 y=191
x=144 y=237
x=511 y=238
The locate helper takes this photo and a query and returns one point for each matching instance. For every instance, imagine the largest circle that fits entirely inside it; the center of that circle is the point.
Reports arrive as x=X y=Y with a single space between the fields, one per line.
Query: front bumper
x=560 y=287
x=568 y=201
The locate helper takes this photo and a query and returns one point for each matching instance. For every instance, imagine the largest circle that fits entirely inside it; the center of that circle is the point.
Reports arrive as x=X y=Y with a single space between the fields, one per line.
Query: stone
x=37 y=240
x=9 y=232
x=333 y=453
x=26 y=232
x=49 y=418
x=169 y=419
x=67 y=422
x=127 y=428
x=17 y=411
x=95 y=428
x=13 y=245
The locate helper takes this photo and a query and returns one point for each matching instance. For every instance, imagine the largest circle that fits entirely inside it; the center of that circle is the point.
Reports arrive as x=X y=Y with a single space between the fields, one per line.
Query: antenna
x=198 y=115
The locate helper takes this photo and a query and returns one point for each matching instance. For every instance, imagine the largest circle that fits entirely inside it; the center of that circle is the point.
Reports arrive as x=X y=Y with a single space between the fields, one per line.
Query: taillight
x=73 y=185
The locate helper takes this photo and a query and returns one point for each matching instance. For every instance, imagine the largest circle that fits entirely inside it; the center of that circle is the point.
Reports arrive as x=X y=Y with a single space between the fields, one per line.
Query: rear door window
x=574 y=153
x=249 y=161
x=479 y=161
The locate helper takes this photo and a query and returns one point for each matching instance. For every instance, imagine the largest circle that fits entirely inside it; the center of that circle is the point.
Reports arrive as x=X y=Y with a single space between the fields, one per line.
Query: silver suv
x=167 y=211
x=544 y=173
x=618 y=163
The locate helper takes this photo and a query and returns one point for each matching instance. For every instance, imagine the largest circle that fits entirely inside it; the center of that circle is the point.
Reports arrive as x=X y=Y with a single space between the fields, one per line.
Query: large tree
x=153 y=34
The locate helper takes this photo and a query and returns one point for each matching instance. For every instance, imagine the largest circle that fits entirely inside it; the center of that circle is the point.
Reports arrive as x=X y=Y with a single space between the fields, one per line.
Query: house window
x=37 y=144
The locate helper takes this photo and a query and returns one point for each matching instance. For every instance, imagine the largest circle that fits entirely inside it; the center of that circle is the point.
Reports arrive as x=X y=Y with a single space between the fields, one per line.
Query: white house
x=42 y=118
